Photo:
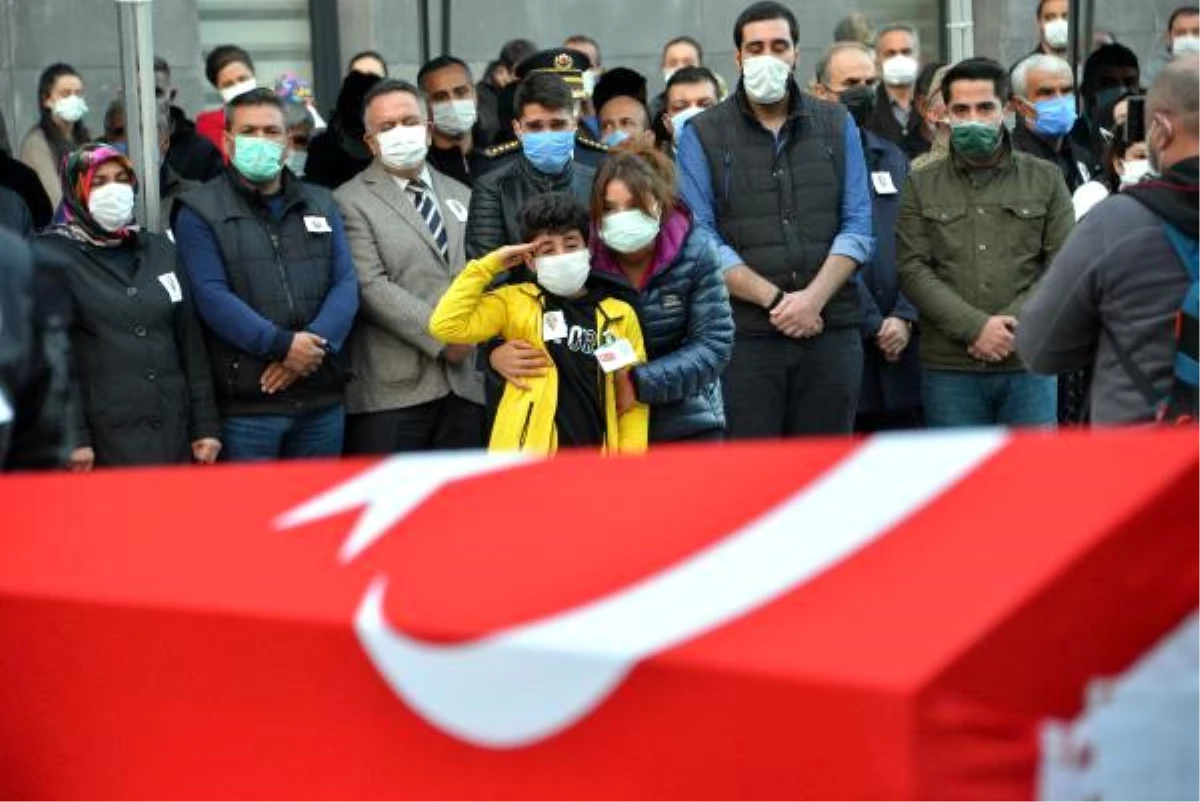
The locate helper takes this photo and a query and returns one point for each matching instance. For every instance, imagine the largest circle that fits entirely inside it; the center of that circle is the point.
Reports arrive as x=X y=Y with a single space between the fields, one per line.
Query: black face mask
x=860 y=100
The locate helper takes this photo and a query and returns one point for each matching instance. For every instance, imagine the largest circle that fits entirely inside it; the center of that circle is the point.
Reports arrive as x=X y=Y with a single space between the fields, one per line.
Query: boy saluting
x=585 y=398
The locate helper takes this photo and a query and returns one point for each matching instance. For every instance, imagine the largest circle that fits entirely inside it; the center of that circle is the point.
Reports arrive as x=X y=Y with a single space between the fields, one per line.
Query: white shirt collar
x=426 y=179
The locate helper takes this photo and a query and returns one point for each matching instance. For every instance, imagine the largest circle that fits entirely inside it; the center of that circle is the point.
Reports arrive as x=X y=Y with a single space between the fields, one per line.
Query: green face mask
x=258 y=160
x=974 y=140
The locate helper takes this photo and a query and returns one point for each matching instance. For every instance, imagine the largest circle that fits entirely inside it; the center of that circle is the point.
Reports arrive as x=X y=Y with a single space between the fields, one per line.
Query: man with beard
x=1112 y=297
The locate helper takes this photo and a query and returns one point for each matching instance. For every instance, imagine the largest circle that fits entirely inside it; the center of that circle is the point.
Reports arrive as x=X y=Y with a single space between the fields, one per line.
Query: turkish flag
x=885 y=619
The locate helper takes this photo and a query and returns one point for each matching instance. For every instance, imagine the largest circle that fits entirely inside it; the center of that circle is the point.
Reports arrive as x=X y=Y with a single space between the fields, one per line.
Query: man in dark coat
x=891 y=383
x=35 y=405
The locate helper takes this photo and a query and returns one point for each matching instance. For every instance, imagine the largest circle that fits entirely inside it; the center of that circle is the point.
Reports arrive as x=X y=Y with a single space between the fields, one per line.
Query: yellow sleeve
x=468 y=313
x=633 y=428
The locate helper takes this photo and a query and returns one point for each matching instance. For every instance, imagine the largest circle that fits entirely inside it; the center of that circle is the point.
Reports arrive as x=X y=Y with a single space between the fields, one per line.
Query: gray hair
x=1038 y=61
x=854 y=28
x=900 y=27
x=833 y=50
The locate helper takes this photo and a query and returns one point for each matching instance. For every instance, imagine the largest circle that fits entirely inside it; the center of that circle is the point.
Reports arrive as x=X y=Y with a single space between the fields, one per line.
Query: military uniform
x=587 y=151
x=570 y=65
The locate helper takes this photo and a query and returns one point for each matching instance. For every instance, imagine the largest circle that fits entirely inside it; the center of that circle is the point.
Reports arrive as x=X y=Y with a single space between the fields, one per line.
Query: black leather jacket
x=497 y=198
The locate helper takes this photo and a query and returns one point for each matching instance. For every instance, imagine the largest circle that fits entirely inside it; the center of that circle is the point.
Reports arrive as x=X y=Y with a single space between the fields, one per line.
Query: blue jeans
x=316 y=433
x=963 y=398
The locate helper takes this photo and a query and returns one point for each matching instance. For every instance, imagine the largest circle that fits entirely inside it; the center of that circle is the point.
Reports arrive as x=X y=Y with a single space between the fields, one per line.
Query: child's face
x=554 y=245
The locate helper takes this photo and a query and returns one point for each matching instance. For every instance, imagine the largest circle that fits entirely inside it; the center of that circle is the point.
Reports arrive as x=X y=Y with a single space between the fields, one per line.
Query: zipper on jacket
x=525 y=428
x=728 y=158
x=283 y=277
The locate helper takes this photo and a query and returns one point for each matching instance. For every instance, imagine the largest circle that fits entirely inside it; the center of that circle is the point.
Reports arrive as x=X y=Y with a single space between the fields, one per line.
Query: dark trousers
x=448 y=423
x=891 y=421
x=784 y=387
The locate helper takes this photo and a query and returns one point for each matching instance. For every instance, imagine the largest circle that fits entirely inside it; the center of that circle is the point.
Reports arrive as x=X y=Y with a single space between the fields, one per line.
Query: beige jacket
x=36 y=153
x=394 y=361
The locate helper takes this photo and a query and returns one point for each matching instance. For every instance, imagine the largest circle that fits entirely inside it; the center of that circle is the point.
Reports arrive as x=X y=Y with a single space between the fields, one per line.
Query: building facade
x=315 y=37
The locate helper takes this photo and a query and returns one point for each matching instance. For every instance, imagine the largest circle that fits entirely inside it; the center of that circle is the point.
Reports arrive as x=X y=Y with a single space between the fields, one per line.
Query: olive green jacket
x=974 y=243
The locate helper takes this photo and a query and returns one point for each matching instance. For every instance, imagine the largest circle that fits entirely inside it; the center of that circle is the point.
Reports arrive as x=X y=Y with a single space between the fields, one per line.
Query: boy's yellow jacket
x=468 y=313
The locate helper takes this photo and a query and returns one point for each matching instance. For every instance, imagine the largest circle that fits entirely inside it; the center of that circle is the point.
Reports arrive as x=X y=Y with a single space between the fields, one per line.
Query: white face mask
x=629 y=231
x=111 y=205
x=296 y=161
x=589 y=81
x=237 y=90
x=900 y=71
x=1184 y=45
x=766 y=78
x=1057 y=33
x=563 y=274
x=668 y=74
x=680 y=119
x=404 y=146
x=1135 y=171
x=70 y=109
x=455 y=117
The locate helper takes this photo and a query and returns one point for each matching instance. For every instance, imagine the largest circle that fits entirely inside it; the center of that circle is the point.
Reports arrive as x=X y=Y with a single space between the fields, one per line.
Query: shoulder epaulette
x=503 y=149
x=591 y=144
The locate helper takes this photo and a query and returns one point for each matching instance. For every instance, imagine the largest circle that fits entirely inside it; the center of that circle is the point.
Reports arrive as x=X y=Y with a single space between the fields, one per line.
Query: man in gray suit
x=405 y=224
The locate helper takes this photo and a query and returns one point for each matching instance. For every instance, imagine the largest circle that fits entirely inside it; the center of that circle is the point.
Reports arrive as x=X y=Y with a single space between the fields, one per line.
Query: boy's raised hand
x=513 y=255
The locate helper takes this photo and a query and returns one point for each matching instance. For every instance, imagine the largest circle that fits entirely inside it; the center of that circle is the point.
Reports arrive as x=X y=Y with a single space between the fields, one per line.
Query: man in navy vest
x=779 y=178
x=274 y=283
x=891 y=382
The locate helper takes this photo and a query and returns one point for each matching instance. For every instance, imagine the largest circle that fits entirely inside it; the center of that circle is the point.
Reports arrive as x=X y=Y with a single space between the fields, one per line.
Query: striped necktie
x=428 y=209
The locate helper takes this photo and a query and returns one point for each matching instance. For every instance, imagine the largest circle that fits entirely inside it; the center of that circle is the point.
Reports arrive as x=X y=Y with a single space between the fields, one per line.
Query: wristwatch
x=776 y=301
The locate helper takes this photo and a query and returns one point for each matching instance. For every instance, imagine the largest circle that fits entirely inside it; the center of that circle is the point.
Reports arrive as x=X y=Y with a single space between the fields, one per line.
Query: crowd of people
x=549 y=257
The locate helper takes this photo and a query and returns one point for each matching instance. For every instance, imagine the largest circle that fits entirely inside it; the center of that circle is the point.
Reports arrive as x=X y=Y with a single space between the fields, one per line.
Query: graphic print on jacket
x=579 y=416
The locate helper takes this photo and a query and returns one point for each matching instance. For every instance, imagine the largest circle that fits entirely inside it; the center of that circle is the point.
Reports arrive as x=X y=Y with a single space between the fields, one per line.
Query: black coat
x=35 y=392
x=190 y=155
x=886 y=386
x=142 y=373
x=14 y=214
x=21 y=179
x=497 y=198
x=883 y=123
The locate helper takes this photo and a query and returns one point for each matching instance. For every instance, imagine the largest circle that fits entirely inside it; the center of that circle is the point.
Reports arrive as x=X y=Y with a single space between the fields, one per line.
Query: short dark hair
x=545 y=89
x=386 y=87
x=761 y=12
x=977 y=69
x=1041 y=4
x=161 y=65
x=221 y=57
x=1103 y=57
x=695 y=75
x=262 y=96
x=375 y=54
x=441 y=63
x=515 y=51
x=583 y=37
x=1182 y=11
x=553 y=213
x=684 y=40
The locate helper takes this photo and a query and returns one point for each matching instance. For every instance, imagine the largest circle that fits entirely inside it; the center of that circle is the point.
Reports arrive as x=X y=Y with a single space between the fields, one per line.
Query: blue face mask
x=615 y=138
x=258 y=160
x=549 y=151
x=1055 y=116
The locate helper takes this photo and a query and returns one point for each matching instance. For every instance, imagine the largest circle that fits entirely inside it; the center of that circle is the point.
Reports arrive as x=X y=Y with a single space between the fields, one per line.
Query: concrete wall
x=83 y=33
x=34 y=33
x=1137 y=24
x=631 y=32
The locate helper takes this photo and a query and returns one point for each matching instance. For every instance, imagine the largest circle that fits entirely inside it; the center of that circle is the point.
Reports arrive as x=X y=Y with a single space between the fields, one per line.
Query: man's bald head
x=1176 y=94
x=1173 y=114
